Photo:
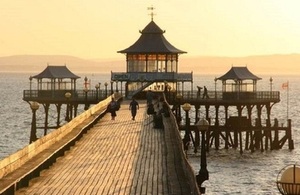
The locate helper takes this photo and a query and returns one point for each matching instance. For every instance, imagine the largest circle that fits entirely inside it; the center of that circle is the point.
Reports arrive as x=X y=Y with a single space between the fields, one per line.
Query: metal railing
x=59 y=95
x=229 y=96
x=151 y=76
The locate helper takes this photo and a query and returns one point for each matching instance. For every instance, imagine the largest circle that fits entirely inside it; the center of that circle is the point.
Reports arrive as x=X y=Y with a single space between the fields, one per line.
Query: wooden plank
x=114 y=157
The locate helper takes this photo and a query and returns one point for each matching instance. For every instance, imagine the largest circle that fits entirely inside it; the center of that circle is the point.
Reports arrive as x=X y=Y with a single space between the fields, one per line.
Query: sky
x=96 y=29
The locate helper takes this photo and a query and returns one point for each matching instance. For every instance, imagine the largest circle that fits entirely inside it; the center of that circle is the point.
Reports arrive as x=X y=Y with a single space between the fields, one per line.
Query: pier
x=108 y=157
x=93 y=154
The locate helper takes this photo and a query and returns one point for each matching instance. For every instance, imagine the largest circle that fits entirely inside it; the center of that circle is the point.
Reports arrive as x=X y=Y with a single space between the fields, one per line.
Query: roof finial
x=151 y=14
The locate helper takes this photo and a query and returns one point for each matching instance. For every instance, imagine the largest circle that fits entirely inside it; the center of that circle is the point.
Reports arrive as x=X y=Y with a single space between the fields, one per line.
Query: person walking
x=205 y=95
x=133 y=106
x=199 y=91
x=112 y=108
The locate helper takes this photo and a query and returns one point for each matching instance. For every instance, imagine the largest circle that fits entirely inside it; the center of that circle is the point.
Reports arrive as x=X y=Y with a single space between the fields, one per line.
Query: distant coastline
x=266 y=64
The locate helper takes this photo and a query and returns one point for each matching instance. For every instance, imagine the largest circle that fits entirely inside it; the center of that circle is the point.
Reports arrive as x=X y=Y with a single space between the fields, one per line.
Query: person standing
x=133 y=106
x=149 y=96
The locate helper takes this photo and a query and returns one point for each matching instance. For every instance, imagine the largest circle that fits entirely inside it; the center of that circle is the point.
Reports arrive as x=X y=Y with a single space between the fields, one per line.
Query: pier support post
x=197 y=133
x=227 y=130
x=34 y=107
x=289 y=134
x=58 y=109
x=202 y=125
x=46 y=107
x=105 y=84
x=275 y=143
x=217 y=132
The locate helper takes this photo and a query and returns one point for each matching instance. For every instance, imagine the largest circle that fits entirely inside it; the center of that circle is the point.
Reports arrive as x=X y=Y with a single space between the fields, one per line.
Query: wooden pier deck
x=118 y=156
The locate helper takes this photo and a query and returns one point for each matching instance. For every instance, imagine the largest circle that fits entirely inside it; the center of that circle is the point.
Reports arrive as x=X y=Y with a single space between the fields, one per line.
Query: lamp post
x=86 y=83
x=111 y=87
x=105 y=84
x=86 y=106
x=30 y=84
x=68 y=96
x=97 y=91
x=216 y=87
x=173 y=92
x=165 y=87
x=179 y=97
x=186 y=107
x=169 y=92
x=202 y=125
x=34 y=107
x=117 y=88
x=182 y=90
x=288 y=180
x=100 y=94
x=271 y=83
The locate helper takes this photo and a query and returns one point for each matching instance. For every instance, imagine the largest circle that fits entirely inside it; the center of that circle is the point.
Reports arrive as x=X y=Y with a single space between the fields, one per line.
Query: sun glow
x=97 y=29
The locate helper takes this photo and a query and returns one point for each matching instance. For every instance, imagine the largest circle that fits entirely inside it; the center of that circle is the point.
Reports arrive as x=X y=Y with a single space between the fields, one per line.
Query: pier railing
x=59 y=95
x=172 y=134
x=272 y=96
x=151 y=76
x=43 y=152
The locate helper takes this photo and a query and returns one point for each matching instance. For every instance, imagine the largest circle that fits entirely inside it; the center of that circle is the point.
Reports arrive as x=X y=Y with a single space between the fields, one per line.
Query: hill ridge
x=262 y=64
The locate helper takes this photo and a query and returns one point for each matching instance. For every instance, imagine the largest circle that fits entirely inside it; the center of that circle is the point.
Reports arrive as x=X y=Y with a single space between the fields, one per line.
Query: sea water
x=229 y=171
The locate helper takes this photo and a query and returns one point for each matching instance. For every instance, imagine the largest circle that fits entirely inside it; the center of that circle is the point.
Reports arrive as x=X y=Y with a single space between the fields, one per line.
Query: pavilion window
x=161 y=57
x=63 y=85
x=151 y=57
x=161 y=66
x=152 y=66
x=175 y=66
x=136 y=66
x=170 y=67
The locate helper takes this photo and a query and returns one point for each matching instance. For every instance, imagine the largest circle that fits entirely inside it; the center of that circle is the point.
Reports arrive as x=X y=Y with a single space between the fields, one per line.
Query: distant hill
x=37 y=63
x=268 y=64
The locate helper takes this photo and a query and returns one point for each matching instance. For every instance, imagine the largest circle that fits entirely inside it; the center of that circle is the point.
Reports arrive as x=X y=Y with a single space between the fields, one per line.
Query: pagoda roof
x=152 y=41
x=239 y=73
x=56 y=72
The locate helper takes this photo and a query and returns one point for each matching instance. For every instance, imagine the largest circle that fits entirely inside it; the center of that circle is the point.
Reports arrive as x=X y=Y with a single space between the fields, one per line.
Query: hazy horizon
x=215 y=34
x=100 y=29
x=270 y=64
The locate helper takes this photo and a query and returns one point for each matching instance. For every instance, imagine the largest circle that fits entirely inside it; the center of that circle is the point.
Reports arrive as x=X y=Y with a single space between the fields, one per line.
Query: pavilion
x=151 y=63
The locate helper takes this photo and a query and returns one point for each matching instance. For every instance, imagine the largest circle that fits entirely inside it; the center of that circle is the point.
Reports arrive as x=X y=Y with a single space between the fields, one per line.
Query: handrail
x=172 y=133
x=225 y=97
x=59 y=95
x=48 y=147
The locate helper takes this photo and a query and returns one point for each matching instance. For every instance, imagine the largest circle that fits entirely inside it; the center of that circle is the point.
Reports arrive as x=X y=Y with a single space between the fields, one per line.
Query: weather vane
x=151 y=14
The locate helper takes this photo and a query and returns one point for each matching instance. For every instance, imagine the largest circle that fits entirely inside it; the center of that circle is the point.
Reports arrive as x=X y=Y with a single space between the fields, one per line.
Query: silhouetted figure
x=150 y=109
x=133 y=106
x=149 y=97
x=112 y=108
x=205 y=95
x=199 y=91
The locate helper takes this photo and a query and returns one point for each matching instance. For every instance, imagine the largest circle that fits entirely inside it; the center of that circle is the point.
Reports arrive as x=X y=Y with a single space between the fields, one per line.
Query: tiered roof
x=239 y=73
x=152 y=41
x=56 y=72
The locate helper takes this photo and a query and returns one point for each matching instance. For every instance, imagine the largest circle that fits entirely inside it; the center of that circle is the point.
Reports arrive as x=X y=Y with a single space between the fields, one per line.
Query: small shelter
x=57 y=78
x=239 y=83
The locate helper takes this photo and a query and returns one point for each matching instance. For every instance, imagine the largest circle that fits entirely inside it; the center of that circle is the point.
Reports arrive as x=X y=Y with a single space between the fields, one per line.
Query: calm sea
x=229 y=172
